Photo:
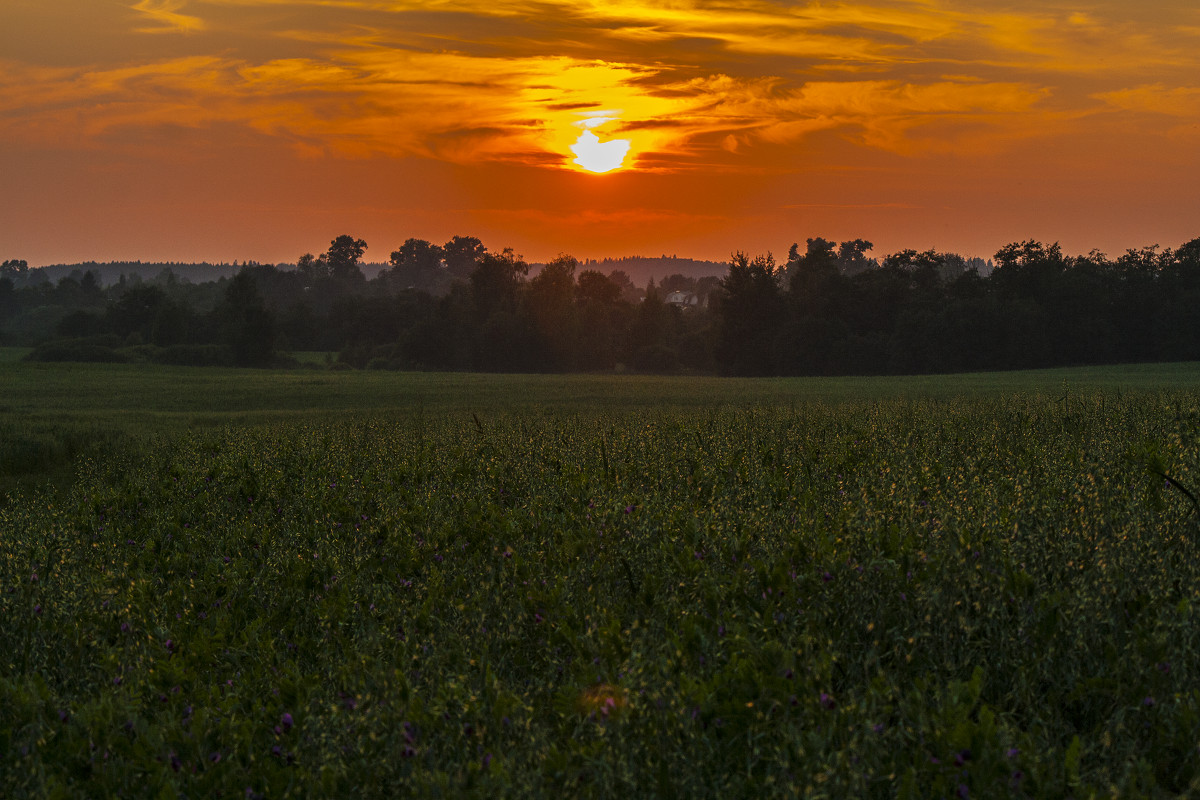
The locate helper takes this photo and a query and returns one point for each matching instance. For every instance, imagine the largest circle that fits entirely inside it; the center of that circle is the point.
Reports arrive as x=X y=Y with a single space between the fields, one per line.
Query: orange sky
x=260 y=129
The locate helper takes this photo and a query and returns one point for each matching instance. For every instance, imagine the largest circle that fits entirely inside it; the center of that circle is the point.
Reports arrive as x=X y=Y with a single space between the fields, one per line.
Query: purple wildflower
x=286 y=721
x=827 y=702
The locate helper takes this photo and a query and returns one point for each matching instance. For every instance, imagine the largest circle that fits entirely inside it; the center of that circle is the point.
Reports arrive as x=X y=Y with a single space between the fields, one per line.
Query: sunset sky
x=260 y=129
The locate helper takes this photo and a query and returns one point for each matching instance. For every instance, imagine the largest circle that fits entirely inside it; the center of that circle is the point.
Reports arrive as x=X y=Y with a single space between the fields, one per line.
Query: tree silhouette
x=462 y=254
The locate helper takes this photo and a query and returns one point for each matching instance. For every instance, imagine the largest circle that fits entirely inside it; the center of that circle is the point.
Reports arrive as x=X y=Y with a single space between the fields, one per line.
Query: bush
x=194 y=355
x=97 y=349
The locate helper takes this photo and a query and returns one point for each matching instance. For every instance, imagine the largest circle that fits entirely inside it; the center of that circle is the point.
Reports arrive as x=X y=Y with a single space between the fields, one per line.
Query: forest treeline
x=828 y=309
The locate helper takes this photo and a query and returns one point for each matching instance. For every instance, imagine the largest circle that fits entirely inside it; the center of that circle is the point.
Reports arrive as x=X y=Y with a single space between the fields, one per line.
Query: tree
x=749 y=311
x=649 y=345
x=923 y=269
x=249 y=328
x=134 y=311
x=416 y=265
x=313 y=270
x=852 y=258
x=594 y=287
x=14 y=268
x=495 y=280
x=343 y=257
x=677 y=283
x=552 y=301
x=630 y=293
x=462 y=254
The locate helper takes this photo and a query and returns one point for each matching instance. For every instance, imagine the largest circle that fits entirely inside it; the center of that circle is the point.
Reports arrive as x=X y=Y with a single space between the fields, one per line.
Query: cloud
x=166 y=14
x=694 y=84
x=1179 y=101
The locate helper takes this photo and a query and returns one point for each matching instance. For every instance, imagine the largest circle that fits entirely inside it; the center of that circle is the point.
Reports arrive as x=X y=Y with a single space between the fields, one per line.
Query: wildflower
x=628 y=509
x=827 y=577
x=37 y=610
x=1148 y=702
x=215 y=757
x=487 y=759
x=827 y=702
x=286 y=721
x=963 y=791
x=1013 y=752
x=175 y=762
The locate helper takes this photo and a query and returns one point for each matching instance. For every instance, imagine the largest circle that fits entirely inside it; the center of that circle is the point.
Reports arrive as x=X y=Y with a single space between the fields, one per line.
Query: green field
x=297 y=583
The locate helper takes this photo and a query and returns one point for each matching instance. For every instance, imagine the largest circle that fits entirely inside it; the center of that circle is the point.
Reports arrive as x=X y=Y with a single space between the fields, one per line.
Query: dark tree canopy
x=832 y=308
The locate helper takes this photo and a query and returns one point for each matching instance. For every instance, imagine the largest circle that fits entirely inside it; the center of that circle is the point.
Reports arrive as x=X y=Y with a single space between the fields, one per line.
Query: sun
x=594 y=155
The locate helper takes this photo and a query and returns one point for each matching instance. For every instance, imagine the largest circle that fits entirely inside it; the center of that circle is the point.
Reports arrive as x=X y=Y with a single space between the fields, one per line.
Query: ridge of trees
x=829 y=309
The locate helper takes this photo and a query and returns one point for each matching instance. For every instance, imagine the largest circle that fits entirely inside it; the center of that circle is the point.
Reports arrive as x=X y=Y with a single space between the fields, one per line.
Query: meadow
x=312 y=583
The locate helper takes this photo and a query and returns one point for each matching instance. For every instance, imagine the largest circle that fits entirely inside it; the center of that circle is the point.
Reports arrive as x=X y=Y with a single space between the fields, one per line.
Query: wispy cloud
x=691 y=83
x=167 y=17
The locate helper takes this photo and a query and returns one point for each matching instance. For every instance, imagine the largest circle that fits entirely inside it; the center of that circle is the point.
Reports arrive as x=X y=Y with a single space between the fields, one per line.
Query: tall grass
x=522 y=593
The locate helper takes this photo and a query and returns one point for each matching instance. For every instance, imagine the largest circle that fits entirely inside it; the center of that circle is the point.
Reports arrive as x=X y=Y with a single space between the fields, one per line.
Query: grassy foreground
x=287 y=584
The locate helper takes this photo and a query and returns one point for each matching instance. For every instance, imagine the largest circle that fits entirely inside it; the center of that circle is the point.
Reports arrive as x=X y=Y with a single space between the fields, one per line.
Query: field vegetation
x=264 y=583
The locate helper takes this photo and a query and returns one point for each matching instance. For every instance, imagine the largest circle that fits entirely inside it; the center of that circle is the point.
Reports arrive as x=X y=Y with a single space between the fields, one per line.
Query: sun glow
x=594 y=155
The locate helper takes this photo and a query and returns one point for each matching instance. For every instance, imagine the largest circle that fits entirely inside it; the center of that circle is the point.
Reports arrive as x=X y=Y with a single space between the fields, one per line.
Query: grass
x=372 y=584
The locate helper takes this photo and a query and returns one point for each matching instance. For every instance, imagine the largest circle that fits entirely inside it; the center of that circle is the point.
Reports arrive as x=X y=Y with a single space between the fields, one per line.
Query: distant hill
x=641 y=269
x=110 y=272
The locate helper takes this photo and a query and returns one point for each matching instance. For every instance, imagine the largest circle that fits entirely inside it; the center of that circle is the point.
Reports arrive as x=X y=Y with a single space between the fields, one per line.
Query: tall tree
x=417 y=265
x=749 y=312
x=249 y=328
x=552 y=301
x=462 y=254
x=343 y=257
